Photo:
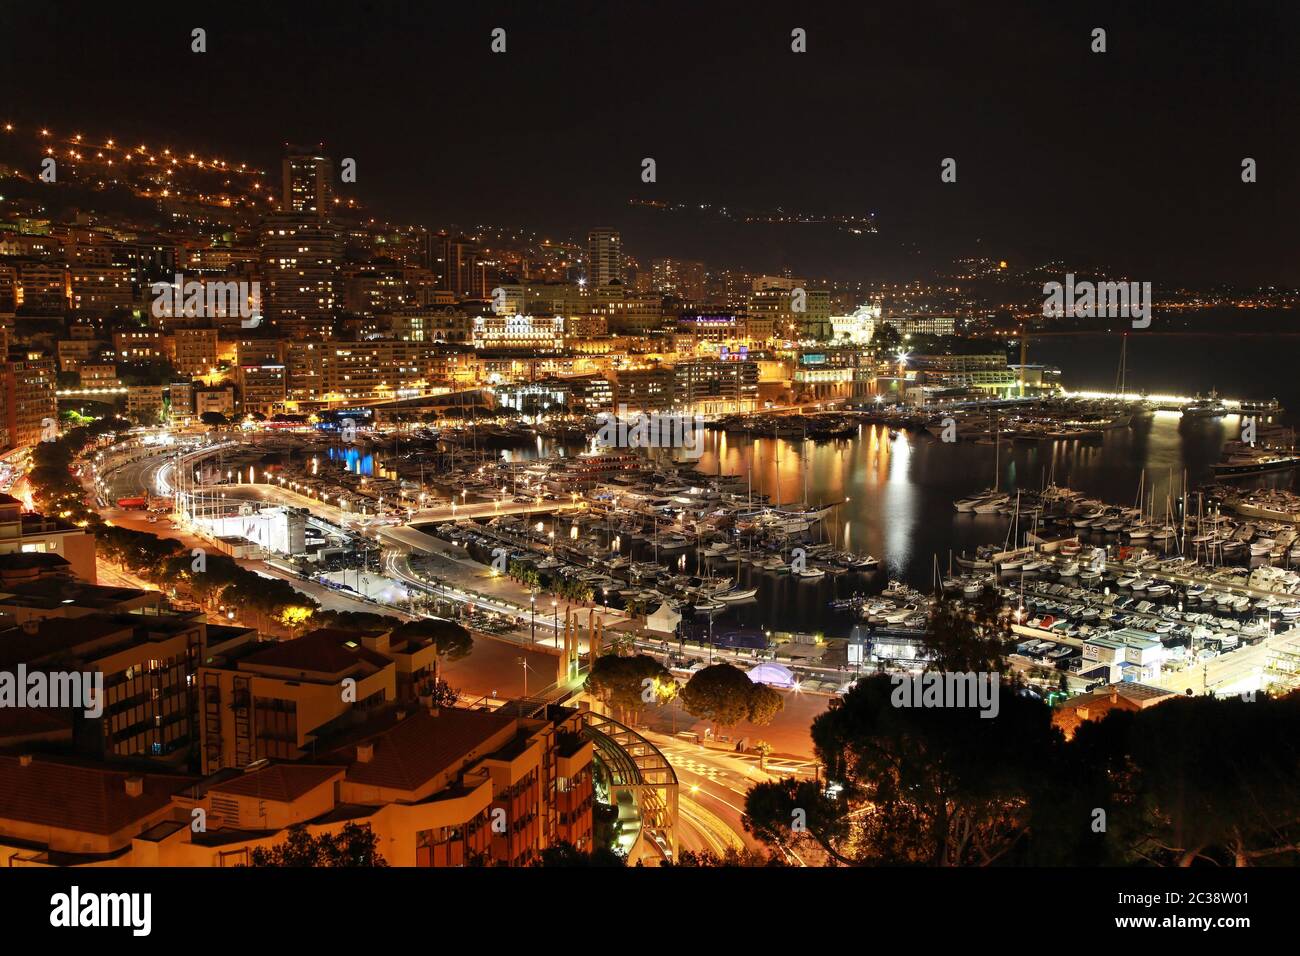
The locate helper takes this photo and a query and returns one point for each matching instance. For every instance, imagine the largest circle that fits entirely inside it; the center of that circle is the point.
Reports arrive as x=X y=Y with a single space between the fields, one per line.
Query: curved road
x=712 y=783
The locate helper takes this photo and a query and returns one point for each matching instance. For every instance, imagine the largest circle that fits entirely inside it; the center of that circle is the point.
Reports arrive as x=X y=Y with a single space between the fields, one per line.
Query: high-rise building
x=604 y=257
x=783 y=309
x=454 y=262
x=308 y=183
x=30 y=406
x=300 y=261
x=686 y=279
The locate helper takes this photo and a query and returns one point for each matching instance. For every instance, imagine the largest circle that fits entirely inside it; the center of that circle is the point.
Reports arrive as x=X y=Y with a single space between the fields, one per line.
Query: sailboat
x=991 y=499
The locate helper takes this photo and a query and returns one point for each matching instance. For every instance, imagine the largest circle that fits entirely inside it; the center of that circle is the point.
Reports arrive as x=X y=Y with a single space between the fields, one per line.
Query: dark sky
x=1129 y=159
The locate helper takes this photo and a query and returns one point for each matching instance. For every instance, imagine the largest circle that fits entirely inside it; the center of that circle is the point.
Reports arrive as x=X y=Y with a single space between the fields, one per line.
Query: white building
x=518 y=332
x=856 y=328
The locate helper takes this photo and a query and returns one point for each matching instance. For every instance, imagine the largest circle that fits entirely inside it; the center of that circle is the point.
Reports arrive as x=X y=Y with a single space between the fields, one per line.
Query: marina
x=771 y=531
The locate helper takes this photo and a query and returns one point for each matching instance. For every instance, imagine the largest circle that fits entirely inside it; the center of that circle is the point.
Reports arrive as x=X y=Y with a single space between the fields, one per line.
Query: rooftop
x=414 y=750
x=72 y=797
x=281 y=782
x=326 y=651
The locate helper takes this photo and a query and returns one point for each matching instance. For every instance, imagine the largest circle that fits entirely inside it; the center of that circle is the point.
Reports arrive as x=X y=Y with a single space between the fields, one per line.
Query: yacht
x=1255 y=462
x=991 y=504
x=969 y=504
x=1205 y=408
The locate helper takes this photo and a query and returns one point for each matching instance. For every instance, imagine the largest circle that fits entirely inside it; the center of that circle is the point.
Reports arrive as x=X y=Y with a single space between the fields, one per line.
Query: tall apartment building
x=684 y=278
x=456 y=267
x=604 y=257
x=374 y=289
x=633 y=313
x=101 y=287
x=144 y=403
x=773 y=312
x=147 y=663
x=644 y=390
x=29 y=402
x=303 y=370
x=709 y=387
x=180 y=400
x=74 y=353
x=382 y=369
x=300 y=259
x=44 y=288
x=307 y=183
x=261 y=388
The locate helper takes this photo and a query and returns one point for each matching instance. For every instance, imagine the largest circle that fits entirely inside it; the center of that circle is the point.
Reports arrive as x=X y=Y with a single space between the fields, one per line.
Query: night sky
x=1129 y=160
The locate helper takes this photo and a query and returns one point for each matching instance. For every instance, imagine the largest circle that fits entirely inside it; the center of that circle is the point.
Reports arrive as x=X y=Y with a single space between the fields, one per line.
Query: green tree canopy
x=938 y=786
x=724 y=694
x=354 y=845
x=630 y=683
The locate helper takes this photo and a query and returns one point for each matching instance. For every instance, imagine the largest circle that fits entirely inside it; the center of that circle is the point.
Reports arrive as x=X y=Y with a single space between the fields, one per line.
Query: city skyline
x=860 y=124
x=657 y=438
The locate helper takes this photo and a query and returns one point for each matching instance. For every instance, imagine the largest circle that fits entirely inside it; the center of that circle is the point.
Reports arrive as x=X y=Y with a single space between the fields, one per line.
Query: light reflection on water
x=900 y=492
x=354 y=459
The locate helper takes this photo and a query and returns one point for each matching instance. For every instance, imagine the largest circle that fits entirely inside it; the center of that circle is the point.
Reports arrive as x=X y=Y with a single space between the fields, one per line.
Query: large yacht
x=1210 y=407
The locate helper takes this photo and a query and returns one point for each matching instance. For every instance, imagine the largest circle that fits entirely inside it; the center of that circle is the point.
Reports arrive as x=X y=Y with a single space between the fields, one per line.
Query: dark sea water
x=1236 y=364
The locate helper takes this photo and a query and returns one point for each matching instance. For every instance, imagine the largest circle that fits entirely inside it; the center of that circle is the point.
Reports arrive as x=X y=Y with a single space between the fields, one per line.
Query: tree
x=1201 y=780
x=621 y=682
x=354 y=845
x=731 y=858
x=886 y=339
x=215 y=419
x=563 y=853
x=968 y=637
x=938 y=786
x=453 y=641
x=764 y=705
x=725 y=695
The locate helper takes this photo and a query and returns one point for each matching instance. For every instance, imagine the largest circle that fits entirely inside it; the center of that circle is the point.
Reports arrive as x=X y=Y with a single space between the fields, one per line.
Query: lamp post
x=555 y=619
x=532 y=610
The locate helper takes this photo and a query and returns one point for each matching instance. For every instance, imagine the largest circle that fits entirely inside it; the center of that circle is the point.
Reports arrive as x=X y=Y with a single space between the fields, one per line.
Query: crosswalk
x=698 y=768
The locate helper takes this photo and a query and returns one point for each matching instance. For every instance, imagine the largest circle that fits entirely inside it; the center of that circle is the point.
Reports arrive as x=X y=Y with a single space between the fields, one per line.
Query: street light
x=532 y=611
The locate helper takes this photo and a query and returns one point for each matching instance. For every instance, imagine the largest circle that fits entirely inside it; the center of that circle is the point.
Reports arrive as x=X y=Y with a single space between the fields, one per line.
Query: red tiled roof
x=413 y=751
x=326 y=651
x=280 y=782
x=24 y=721
x=84 y=798
x=56 y=634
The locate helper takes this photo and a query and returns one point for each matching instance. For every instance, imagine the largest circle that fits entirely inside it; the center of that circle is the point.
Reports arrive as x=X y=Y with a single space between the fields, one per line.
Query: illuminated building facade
x=518 y=332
